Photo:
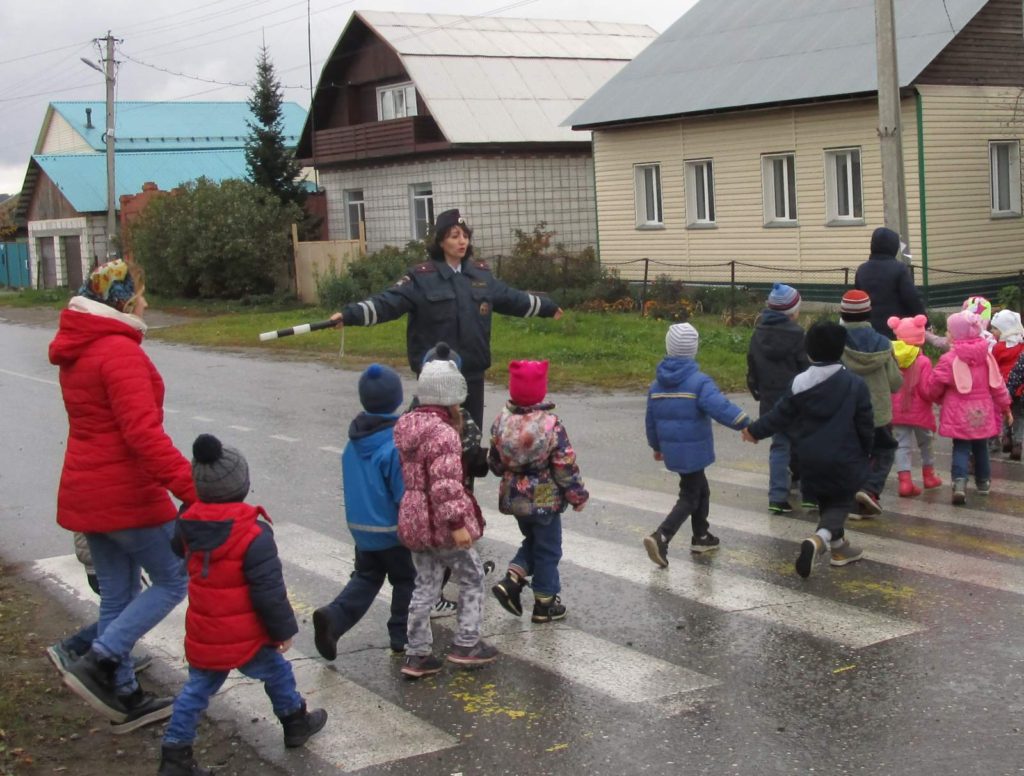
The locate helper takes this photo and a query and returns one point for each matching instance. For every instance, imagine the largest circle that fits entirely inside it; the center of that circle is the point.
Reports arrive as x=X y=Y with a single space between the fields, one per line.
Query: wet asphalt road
x=909 y=662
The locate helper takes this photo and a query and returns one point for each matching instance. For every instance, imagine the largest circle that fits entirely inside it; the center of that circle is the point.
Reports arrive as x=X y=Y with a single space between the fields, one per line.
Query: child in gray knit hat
x=681 y=403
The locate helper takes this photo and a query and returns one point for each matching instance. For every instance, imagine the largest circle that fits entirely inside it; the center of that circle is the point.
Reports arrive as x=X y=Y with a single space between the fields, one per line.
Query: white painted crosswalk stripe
x=895 y=552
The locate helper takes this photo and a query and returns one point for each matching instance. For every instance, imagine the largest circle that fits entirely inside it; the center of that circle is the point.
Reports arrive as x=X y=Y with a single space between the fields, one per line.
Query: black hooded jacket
x=775 y=356
x=888 y=282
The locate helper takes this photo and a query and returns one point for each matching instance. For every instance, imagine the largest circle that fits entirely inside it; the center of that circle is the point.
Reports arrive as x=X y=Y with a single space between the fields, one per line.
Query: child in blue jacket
x=681 y=402
x=372 y=479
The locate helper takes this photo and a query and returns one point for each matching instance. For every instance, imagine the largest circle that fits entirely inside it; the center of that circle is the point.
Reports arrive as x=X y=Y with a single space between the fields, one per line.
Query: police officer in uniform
x=450 y=298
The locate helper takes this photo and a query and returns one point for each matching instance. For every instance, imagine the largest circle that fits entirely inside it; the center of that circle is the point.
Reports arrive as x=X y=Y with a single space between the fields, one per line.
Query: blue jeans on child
x=127 y=612
x=962 y=450
x=778 y=468
x=269 y=666
x=539 y=554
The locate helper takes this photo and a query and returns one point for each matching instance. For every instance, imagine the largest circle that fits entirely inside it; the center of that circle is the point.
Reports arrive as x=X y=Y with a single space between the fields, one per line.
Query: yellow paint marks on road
x=557 y=748
x=482 y=698
x=300 y=607
x=844 y=669
x=964 y=541
x=886 y=590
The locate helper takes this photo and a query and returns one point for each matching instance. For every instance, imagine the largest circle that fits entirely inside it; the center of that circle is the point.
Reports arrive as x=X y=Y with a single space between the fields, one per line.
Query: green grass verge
x=608 y=351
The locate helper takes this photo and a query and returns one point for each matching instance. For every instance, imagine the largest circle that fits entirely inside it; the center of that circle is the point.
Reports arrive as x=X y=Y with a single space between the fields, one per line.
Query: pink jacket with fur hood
x=435 y=502
x=966 y=381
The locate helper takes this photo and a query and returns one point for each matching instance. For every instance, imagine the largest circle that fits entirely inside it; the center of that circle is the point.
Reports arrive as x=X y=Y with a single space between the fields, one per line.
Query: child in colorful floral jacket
x=531 y=453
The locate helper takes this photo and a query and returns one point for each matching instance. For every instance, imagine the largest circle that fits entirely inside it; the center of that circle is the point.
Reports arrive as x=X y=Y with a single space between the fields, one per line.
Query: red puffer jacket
x=119 y=462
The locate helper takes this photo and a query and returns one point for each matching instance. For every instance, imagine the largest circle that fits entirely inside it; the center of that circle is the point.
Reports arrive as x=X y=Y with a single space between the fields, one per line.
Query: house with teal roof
x=64 y=198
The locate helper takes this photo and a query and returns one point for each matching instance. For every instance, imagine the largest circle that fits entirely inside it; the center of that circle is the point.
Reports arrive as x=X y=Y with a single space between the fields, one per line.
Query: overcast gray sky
x=216 y=40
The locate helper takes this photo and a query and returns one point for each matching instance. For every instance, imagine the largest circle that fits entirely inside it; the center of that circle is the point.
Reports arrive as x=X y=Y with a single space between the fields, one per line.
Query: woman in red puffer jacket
x=119 y=465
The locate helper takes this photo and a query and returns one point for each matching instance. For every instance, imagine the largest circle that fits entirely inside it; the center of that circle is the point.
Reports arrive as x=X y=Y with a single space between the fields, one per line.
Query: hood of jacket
x=972 y=351
x=905 y=354
x=777 y=335
x=866 y=349
x=364 y=432
x=885 y=243
x=822 y=389
x=205 y=527
x=83 y=322
x=673 y=370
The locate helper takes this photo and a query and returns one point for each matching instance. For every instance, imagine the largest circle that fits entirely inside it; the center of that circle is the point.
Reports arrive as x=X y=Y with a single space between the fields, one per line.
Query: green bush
x=538 y=263
x=215 y=240
x=368 y=275
x=1010 y=298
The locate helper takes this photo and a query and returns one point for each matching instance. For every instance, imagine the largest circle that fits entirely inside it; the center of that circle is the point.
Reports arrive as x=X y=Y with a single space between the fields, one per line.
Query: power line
x=48 y=51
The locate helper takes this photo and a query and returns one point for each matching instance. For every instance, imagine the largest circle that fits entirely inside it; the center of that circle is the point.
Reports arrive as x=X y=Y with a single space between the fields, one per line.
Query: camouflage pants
x=468 y=574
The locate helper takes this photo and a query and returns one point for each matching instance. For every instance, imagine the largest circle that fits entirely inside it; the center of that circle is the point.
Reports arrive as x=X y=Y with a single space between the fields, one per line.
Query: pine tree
x=272 y=165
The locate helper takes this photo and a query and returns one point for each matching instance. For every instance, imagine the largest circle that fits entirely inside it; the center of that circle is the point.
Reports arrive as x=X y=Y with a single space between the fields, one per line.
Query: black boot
x=300 y=725
x=508 y=593
x=142 y=708
x=178 y=761
x=91 y=678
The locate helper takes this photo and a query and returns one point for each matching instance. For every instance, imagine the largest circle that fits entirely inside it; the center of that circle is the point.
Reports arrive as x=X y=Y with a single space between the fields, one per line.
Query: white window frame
x=421 y=209
x=700 y=185
x=853 y=187
x=359 y=203
x=1004 y=183
x=648 y=195
x=396 y=101
x=769 y=185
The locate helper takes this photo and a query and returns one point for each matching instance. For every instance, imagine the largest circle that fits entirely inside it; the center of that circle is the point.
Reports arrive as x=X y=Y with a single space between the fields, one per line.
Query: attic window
x=396 y=101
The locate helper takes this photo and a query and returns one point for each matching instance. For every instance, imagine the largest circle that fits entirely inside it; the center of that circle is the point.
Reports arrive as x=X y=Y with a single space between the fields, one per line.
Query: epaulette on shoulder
x=427 y=266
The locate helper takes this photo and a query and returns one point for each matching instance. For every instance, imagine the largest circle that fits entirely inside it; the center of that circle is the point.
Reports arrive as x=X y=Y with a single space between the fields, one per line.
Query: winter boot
x=960 y=491
x=547 y=608
x=931 y=479
x=907 y=486
x=178 y=761
x=301 y=725
x=1015 y=452
x=508 y=593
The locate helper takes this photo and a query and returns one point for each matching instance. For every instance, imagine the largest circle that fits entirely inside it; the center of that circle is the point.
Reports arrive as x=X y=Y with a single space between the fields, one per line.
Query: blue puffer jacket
x=680 y=405
x=372 y=480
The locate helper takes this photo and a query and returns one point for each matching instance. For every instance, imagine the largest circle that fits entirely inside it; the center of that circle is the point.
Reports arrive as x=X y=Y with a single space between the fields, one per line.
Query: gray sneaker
x=62 y=657
x=984 y=486
x=845 y=553
x=811 y=550
x=479 y=654
x=416 y=666
x=960 y=491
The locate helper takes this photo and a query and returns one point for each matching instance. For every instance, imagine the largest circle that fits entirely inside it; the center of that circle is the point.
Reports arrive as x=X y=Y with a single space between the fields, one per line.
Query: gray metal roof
x=501 y=80
x=737 y=53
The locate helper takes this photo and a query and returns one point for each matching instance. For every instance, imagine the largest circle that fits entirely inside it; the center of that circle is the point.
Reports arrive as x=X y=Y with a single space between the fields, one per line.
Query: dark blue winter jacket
x=888 y=282
x=372 y=480
x=681 y=402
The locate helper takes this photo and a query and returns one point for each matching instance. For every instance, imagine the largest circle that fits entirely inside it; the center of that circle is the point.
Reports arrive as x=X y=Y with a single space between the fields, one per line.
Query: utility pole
x=109 y=75
x=890 y=125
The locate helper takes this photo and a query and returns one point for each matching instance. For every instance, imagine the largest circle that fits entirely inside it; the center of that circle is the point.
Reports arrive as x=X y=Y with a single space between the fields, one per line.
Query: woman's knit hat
x=1011 y=331
x=527 y=382
x=380 y=389
x=783 y=298
x=855 y=306
x=682 y=340
x=441 y=383
x=111 y=284
x=220 y=473
x=909 y=330
x=963 y=325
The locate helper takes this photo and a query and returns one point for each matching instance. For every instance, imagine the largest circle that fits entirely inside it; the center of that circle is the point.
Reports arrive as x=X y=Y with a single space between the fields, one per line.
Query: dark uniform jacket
x=776 y=355
x=888 y=282
x=445 y=305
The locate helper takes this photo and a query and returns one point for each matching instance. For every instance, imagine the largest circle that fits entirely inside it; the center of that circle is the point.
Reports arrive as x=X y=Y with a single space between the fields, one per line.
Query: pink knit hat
x=963 y=325
x=909 y=330
x=527 y=382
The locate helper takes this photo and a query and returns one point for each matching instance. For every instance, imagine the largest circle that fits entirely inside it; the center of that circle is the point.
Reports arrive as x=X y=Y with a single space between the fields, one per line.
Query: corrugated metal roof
x=160 y=126
x=736 y=53
x=500 y=80
x=82 y=178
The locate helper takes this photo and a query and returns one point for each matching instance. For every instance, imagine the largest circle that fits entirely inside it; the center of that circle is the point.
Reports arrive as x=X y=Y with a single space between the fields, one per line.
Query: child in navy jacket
x=681 y=402
x=372 y=480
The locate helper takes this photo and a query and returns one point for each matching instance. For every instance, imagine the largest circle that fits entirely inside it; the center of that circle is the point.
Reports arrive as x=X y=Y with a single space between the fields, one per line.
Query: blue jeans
x=962 y=450
x=127 y=612
x=539 y=554
x=778 y=468
x=372 y=567
x=269 y=666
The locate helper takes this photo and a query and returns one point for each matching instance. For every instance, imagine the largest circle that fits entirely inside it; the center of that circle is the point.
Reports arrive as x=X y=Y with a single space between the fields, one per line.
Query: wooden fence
x=315 y=259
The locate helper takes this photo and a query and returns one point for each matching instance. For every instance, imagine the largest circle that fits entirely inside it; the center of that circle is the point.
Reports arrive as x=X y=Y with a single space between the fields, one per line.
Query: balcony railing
x=376 y=139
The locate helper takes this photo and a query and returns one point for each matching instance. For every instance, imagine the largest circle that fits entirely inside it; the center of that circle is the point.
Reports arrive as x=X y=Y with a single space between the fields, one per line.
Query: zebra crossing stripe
x=894 y=552
x=364 y=729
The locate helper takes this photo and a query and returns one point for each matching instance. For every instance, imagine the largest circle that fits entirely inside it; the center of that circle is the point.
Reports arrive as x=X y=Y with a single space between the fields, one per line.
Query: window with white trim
x=355 y=212
x=1004 y=167
x=421 y=200
x=396 y=101
x=843 y=186
x=700 y=192
x=648 y=195
x=778 y=180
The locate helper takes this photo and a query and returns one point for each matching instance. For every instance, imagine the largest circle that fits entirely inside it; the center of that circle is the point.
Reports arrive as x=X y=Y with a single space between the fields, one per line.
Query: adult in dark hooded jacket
x=888 y=282
x=827 y=412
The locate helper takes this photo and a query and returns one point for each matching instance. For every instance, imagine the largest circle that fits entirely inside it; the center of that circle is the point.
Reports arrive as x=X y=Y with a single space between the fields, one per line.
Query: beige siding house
x=705 y=154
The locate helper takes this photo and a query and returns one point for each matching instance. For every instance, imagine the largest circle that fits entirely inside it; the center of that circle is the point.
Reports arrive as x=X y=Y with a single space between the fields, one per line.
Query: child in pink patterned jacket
x=966 y=381
x=439 y=520
x=912 y=416
x=531 y=453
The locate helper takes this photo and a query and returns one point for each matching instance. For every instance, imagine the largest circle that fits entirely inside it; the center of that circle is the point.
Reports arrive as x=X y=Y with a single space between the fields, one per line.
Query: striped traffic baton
x=304 y=328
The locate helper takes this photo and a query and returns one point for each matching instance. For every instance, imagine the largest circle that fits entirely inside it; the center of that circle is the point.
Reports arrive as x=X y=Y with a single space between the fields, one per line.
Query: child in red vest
x=238 y=611
x=1007 y=352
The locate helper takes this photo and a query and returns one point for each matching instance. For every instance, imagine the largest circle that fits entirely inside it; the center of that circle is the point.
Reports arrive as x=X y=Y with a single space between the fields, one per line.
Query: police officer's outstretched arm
x=386 y=306
x=512 y=301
